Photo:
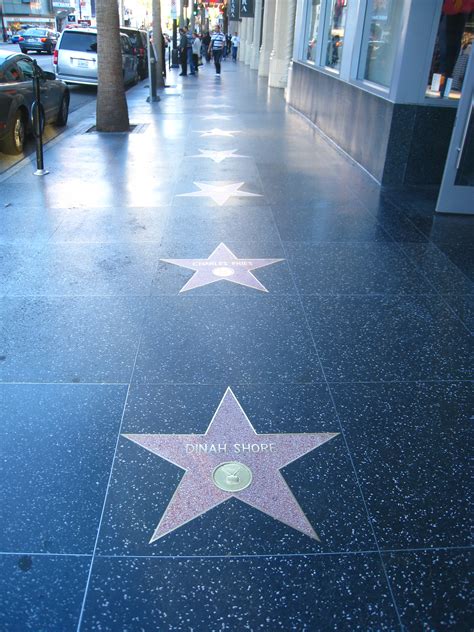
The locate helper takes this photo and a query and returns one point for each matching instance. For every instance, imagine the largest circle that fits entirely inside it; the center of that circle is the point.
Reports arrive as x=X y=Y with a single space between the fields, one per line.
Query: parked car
x=75 y=57
x=17 y=96
x=38 y=40
x=139 y=42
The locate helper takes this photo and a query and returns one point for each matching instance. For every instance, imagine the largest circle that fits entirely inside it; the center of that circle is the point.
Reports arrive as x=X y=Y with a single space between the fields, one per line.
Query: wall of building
x=399 y=144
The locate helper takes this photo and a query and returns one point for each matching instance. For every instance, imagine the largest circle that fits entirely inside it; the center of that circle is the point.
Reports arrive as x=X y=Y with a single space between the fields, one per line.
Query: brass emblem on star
x=232 y=476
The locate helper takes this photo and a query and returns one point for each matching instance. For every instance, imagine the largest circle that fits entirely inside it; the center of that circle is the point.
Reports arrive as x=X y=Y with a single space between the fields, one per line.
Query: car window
x=133 y=38
x=35 y=32
x=27 y=68
x=126 y=47
x=9 y=74
x=82 y=42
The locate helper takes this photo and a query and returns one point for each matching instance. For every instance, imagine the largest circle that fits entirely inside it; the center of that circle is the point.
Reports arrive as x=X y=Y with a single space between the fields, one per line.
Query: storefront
x=383 y=79
x=18 y=14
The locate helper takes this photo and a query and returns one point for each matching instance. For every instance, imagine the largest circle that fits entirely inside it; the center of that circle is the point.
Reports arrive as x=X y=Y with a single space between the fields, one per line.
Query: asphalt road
x=80 y=96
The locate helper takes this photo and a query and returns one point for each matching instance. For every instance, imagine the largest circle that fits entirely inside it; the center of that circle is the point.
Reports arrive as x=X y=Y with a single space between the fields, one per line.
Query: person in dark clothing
x=206 y=40
x=164 y=46
x=189 y=51
x=183 y=52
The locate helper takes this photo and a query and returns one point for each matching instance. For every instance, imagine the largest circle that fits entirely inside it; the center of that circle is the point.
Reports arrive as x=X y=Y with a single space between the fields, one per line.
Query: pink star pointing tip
x=222 y=265
x=216 y=131
x=220 y=193
x=231 y=460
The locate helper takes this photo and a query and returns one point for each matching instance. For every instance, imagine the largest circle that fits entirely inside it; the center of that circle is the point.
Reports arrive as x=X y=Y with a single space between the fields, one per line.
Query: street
x=80 y=96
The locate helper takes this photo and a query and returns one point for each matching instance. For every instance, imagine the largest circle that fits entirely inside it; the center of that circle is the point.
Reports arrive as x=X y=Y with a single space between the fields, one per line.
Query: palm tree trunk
x=158 y=42
x=112 y=109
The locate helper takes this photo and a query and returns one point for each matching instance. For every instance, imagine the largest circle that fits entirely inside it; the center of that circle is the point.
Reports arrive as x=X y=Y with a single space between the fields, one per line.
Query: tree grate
x=134 y=129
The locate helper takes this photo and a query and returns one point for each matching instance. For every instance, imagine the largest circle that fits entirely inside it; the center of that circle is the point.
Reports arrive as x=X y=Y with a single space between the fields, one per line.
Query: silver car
x=75 y=57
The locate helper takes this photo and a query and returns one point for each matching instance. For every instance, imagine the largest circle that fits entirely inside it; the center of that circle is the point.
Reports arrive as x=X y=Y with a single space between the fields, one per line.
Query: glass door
x=457 y=188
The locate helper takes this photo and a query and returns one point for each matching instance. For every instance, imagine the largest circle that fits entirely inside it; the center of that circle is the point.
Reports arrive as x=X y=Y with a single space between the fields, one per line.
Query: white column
x=267 y=39
x=257 y=27
x=248 y=48
x=283 y=35
x=243 y=39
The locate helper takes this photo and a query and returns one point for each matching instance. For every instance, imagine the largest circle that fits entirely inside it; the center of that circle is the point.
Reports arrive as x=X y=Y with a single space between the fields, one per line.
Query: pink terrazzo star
x=222 y=265
x=231 y=438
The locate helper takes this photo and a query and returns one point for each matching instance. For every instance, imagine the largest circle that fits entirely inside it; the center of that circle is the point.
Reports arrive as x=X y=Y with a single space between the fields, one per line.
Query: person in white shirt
x=196 y=50
x=235 y=46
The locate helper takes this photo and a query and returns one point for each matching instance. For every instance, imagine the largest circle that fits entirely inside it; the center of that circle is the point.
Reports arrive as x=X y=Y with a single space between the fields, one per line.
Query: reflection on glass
x=312 y=25
x=465 y=172
x=380 y=40
x=452 y=49
x=335 y=34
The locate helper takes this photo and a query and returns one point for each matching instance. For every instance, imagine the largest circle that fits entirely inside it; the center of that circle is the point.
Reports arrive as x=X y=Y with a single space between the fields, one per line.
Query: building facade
x=381 y=78
x=17 y=13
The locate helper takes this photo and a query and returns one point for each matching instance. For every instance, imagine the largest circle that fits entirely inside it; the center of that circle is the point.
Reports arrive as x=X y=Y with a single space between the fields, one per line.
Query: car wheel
x=63 y=112
x=15 y=140
x=49 y=50
x=24 y=51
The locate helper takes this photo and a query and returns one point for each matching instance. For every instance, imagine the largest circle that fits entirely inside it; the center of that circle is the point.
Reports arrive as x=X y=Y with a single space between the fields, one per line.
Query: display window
x=313 y=13
x=453 y=46
x=380 y=41
x=335 y=31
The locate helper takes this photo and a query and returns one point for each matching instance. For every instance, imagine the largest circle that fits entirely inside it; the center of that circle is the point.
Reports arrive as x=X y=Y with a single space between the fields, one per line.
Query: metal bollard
x=37 y=119
x=153 y=96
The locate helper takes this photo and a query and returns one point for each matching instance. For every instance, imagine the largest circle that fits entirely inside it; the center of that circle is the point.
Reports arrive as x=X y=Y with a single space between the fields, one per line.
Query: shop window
x=379 y=44
x=335 y=33
x=311 y=30
x=454 y=42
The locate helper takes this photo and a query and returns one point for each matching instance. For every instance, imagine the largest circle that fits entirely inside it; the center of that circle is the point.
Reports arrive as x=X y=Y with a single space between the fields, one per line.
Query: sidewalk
x=225 y=264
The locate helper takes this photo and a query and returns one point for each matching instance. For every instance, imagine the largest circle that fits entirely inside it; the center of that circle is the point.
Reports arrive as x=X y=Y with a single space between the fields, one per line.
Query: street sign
x=233 y=7
x=173 y=10
x=247 y=9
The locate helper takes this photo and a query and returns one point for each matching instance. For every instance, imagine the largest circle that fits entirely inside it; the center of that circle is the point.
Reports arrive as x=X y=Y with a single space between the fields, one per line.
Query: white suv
x=75 y=57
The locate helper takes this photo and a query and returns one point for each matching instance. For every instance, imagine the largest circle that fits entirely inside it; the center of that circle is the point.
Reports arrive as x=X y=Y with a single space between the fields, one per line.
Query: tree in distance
x=158 y=42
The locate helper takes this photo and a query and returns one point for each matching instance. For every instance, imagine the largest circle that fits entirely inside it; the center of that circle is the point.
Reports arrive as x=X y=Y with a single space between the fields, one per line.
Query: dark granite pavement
x=363 y=330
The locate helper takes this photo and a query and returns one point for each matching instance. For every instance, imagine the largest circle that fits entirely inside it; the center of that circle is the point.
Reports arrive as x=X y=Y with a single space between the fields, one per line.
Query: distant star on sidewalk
x=217 y=117
x=218 y=156
x=220 y=193
x=217 y=132
x=223 y=265
x=232 y=461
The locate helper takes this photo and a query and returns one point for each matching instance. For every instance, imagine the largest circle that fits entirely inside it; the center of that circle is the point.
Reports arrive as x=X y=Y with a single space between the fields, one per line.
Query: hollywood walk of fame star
x=220 y=193
x=223 y=265
x=232 y=461
x=218 y=156
x=217 y=117
x=217 y=132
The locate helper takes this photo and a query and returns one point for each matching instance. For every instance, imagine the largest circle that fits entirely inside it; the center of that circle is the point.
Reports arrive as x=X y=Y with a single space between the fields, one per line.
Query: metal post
x=175 y=33
x=152 y=58
x=37 y=114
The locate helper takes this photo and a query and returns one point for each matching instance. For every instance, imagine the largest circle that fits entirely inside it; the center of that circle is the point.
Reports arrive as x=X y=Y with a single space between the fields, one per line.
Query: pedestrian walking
x=206 y=40
x=235 y=46
x=196 y=50
x=183 y=57
x=216 y=46
x=189 y=51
